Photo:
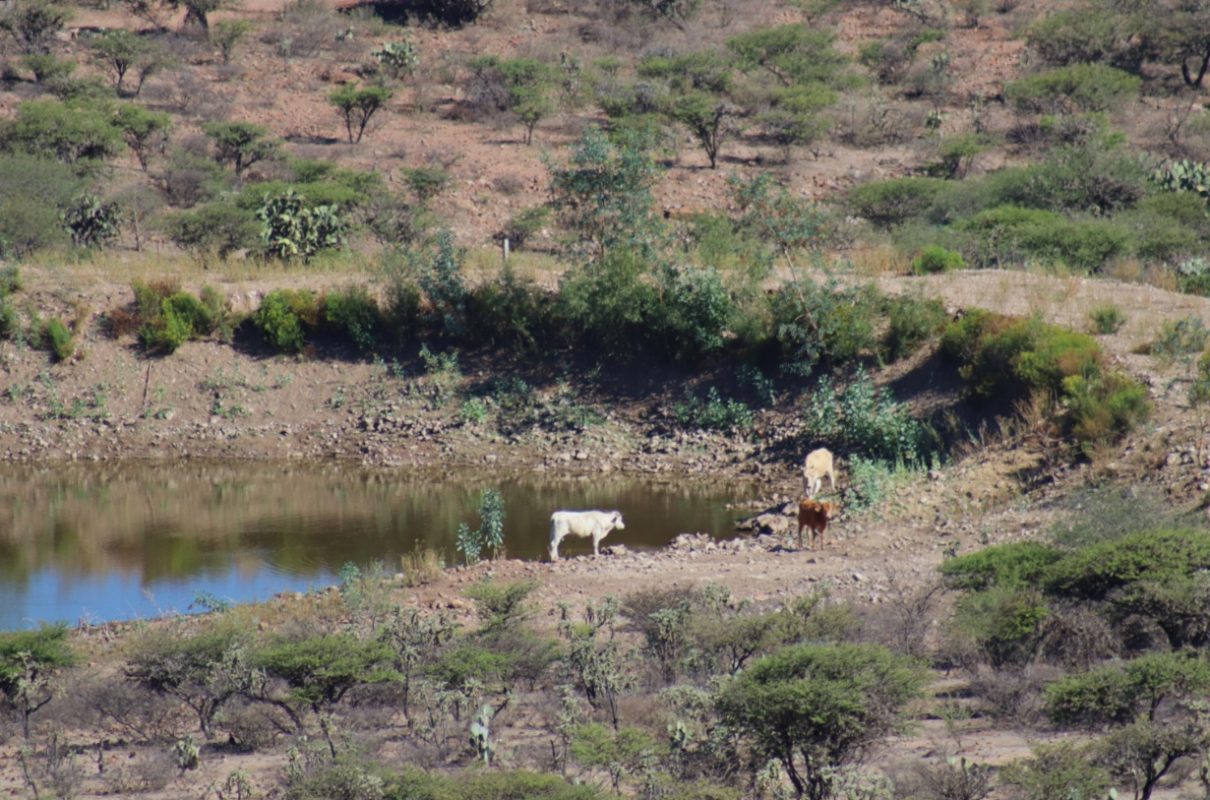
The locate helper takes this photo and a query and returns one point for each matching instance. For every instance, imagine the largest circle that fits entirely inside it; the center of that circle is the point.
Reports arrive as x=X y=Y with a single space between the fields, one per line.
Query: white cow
x=596 y=524
x=817 y=464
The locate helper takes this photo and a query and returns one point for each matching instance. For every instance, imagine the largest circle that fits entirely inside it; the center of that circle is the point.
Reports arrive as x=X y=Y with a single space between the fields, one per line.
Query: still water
x=96 y=543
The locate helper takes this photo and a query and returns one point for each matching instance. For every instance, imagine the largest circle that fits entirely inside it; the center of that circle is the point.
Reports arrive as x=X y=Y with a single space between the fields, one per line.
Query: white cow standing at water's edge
x=597 y=524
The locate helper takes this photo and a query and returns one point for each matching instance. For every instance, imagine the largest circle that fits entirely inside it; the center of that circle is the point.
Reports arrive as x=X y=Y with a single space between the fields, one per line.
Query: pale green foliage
x=604 y=194
x=398 y=59
x=295 y=229
x=489 y=536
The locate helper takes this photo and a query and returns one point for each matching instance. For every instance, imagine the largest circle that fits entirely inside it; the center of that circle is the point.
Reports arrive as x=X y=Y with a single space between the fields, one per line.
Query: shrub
x=355 y=315
x=1180 y=337
x=934 y=259
x=181 y=317
x=1103 y=407
x=893 y=202
x=1120 y=693
x=1011 y=233
x=28 y=662
x=1063 y=769
x=70 y=133
x=215 y=229
x=59 y=339
x=285 y=316
x=33 y=23
x=204 y=670
x=814 y=708
x=999 y=354
x=1008 y=565
x=866 y=420
x=911 y=321
x=823 y=324
x=1106 y=319
x=490 y=533
x=33 y=191
x=611 y=306
x=1003 y=622
x=1084 y=35
x=1093 y=572
x=501 y=606
x=413 y=784
x=1072 y=89
x=713 y=413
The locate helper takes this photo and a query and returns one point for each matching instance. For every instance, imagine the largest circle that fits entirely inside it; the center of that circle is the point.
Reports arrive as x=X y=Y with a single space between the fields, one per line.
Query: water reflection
x=112 y=542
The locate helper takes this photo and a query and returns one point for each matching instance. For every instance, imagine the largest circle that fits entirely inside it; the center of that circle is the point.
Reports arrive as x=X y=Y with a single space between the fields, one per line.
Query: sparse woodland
x=768 y=223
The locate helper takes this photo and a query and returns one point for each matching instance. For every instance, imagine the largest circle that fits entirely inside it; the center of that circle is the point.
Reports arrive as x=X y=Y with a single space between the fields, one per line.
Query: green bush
x=1093 y=572
x=354 y=314
x=814 y=708
x=713 y=413
x=1103 y=407
x=1008 y=565
x=934 y=259
x=1106 y=319
x=1073 y=89
x=612 y=306
x=181 y=317
x=1087 y=34
x=1063 y=769
x=59 y=339
x=414 y=784
x=69 y=133
x=696 y=310
x=1008 y=234
x=215 y=229
x=911 y=321
x=285 y=316
x=824 y=324
x=893 y=202
x=515 y=312
x=33 y=191
x=1120 y=693
x=320 y=670
x=1004 y=623
x=295 y=228
x=866 y=420
x=1004 y=355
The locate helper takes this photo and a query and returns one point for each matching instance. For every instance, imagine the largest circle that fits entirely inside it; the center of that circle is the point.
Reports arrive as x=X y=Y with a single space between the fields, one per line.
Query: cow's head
x=616 y=520
x=830 y=509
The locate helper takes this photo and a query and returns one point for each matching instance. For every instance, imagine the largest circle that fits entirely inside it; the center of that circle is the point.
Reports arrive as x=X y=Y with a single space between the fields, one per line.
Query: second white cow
x=597 y=524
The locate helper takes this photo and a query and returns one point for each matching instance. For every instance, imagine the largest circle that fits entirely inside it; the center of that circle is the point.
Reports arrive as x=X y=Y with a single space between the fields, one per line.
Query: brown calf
x=815 y=515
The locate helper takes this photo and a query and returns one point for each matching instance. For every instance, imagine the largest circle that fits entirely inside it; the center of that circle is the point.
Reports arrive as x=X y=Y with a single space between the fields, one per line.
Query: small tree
x=1153 y=702
x=792 y=54
x=816 y=708
x=34 y=23
x=321 y=670
x=357 y=105
x=28 y=663
x=69 y=133
x=240 y=143
x=142 y=129
x=227 y=34
x=203 y=670
x=708 y=120
x=197 y=12
x=120 y=51
x=526 y=85
x=604 y=194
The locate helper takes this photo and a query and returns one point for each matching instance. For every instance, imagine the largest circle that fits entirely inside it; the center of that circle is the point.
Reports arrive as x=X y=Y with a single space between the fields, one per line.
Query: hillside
x=962 y=243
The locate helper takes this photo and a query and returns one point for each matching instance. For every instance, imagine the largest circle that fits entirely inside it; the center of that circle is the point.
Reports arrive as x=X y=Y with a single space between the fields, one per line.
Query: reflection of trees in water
x=174 y=521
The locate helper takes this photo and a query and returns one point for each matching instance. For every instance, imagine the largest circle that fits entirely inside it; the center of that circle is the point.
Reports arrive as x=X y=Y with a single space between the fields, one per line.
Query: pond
x=98 y=543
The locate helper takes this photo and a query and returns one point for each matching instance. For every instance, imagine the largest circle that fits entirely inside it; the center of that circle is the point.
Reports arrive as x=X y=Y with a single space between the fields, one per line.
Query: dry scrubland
x=963 y=244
